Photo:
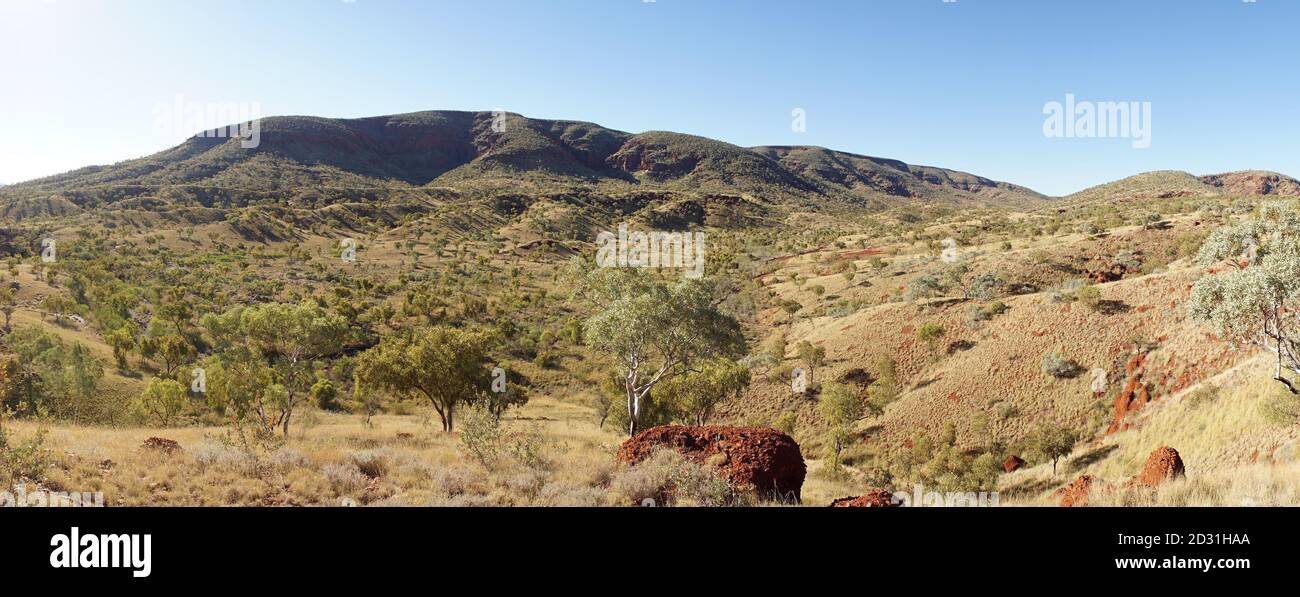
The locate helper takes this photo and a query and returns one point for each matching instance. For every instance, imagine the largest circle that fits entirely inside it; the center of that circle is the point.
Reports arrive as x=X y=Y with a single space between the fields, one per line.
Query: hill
x=301 y=159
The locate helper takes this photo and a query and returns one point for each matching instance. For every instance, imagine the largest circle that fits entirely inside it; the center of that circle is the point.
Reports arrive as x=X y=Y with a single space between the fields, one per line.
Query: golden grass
x=318 y=464
x=1233 y=454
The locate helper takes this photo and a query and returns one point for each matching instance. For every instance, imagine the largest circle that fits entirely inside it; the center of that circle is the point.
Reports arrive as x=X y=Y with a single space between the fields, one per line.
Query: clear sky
x=954 y=84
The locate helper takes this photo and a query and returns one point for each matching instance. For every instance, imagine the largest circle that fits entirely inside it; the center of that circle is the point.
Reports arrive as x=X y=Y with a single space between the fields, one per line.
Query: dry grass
x=400 y=460
x=1233 y=454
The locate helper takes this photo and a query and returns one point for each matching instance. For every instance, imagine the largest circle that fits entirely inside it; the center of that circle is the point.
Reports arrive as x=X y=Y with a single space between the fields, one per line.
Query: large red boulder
x=765 y=459
x=1162 y=465
x=1013 y=463
x=874 y=498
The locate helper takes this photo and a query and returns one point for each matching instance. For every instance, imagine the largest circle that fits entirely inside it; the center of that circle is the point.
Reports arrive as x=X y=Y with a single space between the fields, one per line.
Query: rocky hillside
x=369 y=158
x=1254 y=182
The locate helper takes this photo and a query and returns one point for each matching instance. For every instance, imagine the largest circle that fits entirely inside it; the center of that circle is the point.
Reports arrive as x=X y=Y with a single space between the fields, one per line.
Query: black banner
x=326 y=546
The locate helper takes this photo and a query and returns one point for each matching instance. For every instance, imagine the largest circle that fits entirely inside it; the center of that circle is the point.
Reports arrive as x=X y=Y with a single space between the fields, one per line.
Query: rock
x=1135 y=394
x=1076 y=493
x=163 y=444
x=765 y=459
x=873 y=498
x=1013 y=463
x=1162 y=465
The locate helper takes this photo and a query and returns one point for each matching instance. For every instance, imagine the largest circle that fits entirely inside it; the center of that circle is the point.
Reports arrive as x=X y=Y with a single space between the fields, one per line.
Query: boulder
x=873 y=498
x=749 y=457
x=1012 y=463
x=1162 y=465
x=1076 y=493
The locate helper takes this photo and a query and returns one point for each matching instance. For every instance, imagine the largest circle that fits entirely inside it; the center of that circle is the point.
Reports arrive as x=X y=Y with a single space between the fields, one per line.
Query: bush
x=669 y=479
x=480 y=433
x=371 y=463
x=1059 y=367
x=210 y=454
x=28 y=460
x=785 y=422
x=344 y=478
x=1089 y=296
x=162 y=401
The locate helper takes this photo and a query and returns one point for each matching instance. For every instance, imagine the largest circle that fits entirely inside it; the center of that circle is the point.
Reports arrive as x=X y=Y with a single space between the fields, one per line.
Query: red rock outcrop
x=1012 y=463
x=161 y=443
x=874 y=498
x=1135 y=394
x=1163 y=464
x=765 y=459
x=1076 y=493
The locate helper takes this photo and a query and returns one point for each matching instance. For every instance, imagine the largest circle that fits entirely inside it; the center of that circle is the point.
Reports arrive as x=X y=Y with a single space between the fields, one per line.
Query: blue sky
x=959 y=85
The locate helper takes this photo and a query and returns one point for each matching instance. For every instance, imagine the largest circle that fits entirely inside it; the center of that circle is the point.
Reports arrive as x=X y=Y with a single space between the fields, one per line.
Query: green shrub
x=28 y=460
x=1059 y=367
x=1089 y=296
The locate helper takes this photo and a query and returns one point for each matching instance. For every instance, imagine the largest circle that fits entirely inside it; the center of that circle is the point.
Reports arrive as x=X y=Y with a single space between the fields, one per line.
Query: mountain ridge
x=471 y=149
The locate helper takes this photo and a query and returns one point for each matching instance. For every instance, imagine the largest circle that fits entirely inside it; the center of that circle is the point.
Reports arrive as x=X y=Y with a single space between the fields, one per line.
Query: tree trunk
x=633 y=409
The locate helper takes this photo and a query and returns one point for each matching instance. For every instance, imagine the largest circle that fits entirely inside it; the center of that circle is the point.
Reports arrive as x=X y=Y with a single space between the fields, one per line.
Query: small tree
x=325 y=394
x=8 y=301
x=811 y=355
x=162 y=400
x=446 y=366
x=1051 y=443
x=841 y=406
x=123 y=342
x=1257 y=303
x=654 y=331
x=697 y=393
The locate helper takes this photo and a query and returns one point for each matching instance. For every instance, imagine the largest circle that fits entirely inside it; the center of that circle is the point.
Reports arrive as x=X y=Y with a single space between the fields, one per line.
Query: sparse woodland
x=438 y=333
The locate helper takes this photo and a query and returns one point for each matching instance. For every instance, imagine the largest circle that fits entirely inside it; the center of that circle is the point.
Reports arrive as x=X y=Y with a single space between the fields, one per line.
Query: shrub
x=480 y=434
x=210 y=454
x=785 y=422
x=667 y=478
x=344 y=478
x=1059 y=367
x=1089 y=296
x=371 y=463
x=930 y=333
x=286 y=459
x=162 y=401
x=27 y=460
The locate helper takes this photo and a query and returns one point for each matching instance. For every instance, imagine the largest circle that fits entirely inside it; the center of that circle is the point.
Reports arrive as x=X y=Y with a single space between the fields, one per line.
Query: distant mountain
x=1254 y=182
x=1166 y=184
x=319 y=161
